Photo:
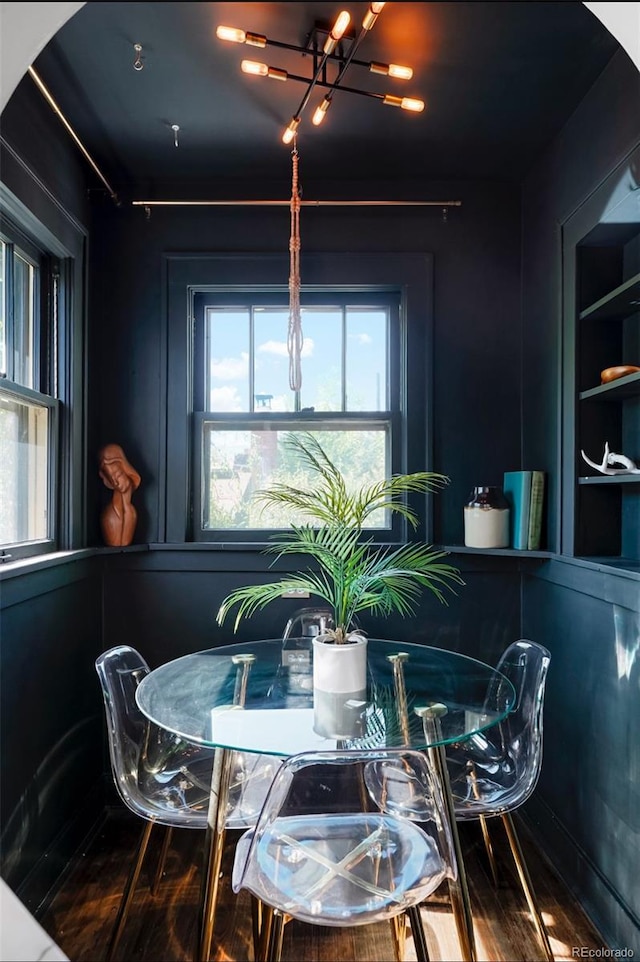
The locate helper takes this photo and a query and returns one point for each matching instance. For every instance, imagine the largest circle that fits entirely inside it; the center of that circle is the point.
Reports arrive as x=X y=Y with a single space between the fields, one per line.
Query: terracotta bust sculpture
x=118 y=519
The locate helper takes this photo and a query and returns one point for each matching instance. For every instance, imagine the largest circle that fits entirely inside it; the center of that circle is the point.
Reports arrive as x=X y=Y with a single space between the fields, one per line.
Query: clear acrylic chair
x=308 y=622
x=493 y=772
x=161 y=778
x=347 y=866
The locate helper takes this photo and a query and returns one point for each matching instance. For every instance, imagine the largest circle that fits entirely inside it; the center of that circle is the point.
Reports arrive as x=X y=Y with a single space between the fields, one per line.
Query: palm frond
x=383 y=494
x=253 y=598
x=316 y=504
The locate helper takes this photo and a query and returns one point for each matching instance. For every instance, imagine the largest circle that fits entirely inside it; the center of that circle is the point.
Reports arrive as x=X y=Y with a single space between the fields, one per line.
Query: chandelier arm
x=305 y=51
x=334 y=86
x=347 y=63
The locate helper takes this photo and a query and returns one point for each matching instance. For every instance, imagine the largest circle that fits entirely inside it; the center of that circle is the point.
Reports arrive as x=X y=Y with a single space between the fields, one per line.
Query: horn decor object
x=610 y=459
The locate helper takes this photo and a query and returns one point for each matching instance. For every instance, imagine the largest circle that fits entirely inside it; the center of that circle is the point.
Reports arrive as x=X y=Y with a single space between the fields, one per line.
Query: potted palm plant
x=349 y=572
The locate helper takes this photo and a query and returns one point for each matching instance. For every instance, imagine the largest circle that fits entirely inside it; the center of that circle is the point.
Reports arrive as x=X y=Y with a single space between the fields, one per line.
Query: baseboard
x=601 y=902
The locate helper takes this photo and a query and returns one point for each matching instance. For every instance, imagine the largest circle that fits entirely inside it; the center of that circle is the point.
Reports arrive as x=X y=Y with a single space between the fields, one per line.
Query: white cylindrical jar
x=486 y=519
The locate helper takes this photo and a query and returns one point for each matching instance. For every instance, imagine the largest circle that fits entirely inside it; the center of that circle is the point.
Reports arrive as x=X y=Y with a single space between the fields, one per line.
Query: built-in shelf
x=507 y=552
x=611 y=479
x=600 y=517
x=617 y=304
x=618 y=390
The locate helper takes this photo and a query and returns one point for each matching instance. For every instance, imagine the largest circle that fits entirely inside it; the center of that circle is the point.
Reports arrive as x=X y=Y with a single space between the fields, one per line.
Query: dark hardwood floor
x=163 y=928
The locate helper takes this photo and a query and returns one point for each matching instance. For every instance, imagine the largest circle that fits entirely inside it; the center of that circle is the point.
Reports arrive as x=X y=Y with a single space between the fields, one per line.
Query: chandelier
x=334 y=49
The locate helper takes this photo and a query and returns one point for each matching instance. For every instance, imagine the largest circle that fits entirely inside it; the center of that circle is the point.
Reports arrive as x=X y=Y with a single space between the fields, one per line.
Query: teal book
x=535 y=510
x=517 y=490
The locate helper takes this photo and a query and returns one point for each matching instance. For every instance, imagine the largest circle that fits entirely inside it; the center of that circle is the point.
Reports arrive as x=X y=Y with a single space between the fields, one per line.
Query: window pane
x=272 y=392
x=366 y=374
x=227 y=360
x=322 y=359
x=236 y=463
x=3 y=310
x=23 y=318
x=23 y=470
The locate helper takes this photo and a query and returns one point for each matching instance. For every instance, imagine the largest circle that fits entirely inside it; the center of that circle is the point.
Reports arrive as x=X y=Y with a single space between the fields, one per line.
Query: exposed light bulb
x=263 y=70
x=341 y=24
x=236 y=35
x=400 y=71
x=371 y=15
x=337 y=31
x=290 y=132
x=233 y=34
x=321 y=112
x=255 y=68
x=405 y=103
x=391 y=70
x=412 y=103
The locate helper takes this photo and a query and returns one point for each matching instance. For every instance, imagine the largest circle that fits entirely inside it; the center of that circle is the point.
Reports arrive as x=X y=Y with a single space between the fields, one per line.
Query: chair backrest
x=496 y=770
x=157 y=775
x=120 y=671
x=525 y=663
x=302 y=860
x=309 y=621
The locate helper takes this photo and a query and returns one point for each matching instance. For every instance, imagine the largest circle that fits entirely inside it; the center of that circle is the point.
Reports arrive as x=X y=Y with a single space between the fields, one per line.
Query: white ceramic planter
x=339 y=687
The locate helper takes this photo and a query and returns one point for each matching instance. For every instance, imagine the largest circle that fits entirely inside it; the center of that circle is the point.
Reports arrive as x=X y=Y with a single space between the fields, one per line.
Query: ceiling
x=499 y=81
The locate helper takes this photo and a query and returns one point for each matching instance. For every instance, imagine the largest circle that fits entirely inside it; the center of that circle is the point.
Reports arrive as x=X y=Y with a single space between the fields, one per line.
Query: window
x=28 y=409
x=244 y=407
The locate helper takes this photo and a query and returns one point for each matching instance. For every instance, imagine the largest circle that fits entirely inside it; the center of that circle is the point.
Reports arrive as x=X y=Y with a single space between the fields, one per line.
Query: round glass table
x=258 y=697
x=187 y=696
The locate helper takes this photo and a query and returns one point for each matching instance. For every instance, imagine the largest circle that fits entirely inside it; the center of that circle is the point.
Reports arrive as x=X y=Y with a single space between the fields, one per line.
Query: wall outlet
x=298 y=593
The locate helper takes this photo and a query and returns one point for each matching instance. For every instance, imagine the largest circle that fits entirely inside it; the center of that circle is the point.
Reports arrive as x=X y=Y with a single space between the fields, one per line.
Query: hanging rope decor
x=295 y=339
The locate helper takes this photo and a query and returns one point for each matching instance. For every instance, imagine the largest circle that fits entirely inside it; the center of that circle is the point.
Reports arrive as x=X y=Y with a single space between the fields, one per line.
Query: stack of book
x=524 y=490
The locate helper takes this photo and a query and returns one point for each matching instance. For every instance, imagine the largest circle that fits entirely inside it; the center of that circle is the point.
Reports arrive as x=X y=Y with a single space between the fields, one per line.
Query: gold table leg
x=459 y=890
x=213 y=849
x=216 y=822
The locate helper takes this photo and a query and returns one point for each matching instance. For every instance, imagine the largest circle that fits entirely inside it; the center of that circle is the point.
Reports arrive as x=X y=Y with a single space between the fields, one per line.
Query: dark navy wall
x=51 y=720
x=586 y=807
x=586 y=810
x=476 y=349
x=32 y=132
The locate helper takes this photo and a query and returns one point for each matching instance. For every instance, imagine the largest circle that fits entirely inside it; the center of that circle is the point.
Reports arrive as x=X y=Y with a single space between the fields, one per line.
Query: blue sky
x=321 y=359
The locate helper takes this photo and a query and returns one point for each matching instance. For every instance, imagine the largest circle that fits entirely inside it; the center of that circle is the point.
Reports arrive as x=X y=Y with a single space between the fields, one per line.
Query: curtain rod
x=56 y=109
x=224 y=203
x=304 y=203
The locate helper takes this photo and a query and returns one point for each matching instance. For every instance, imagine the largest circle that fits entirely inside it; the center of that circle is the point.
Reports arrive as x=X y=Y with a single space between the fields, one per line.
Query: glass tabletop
x=194 y=696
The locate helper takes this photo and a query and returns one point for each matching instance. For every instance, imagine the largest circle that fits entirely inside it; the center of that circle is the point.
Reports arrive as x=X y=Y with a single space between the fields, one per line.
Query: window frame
x=409 y=273
x=44 y=369
x=297 y=420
